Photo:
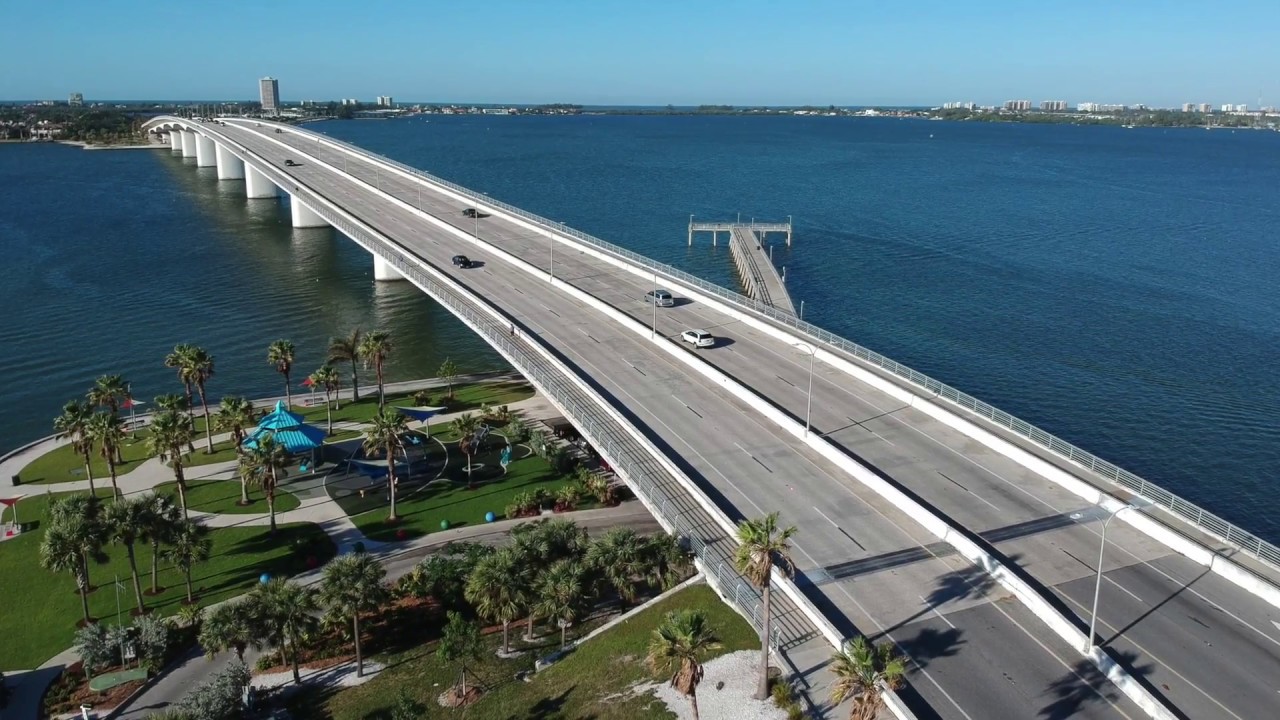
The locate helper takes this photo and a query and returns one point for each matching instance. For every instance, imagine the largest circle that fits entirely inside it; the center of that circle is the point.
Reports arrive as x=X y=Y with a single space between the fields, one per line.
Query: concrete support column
x=384 y=270
x=303 y=216
x=256 y=185
x=175 y=140
x=188 y=143
x=206 y=151
x=230 y=167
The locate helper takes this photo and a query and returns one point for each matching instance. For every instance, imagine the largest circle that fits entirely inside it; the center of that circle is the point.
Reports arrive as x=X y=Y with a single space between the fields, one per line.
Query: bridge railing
x=1178 y=506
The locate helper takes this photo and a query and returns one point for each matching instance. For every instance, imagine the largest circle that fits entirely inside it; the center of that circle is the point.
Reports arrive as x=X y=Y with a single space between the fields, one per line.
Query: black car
x=290 y=163
x=470 y=212
x=461 y=261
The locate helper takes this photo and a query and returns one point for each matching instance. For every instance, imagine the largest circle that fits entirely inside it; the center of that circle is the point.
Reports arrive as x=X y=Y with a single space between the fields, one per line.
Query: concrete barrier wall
x=935 y=524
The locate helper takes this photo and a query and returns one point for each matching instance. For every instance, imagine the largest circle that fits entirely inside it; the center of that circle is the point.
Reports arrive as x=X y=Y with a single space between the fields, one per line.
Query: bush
x=567 y=498
x=96 y=648
x=516 y=431
x=405 y=707
x=422 y=398
x=781 y=694
x=220 y=697
x=151 y=641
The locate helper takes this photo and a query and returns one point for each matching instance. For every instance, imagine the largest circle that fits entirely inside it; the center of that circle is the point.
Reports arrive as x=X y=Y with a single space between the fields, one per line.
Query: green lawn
x=448 y=498
x=63 y=464
x=222 y=452
x=466 y=397
x=221 y=496
x=41 y=607
x=592 y=682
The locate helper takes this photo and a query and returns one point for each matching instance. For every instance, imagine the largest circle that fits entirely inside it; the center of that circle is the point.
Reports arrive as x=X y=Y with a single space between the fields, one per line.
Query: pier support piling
x=303 y=216
x=175 y=140
x=188 y=143
x=384 y=271
x=230 y=167
x=256 y=185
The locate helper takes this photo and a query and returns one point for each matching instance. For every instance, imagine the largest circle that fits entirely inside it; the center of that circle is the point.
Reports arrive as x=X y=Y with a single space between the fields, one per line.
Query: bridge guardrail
x=1155 y=494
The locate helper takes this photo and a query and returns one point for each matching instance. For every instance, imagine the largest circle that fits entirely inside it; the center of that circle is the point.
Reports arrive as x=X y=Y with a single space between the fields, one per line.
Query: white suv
x=698 y=338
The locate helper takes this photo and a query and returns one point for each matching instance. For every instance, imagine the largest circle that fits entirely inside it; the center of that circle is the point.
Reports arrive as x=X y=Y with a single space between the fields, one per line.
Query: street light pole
x=1097 y=586
x=808 y=406
x=654 y=332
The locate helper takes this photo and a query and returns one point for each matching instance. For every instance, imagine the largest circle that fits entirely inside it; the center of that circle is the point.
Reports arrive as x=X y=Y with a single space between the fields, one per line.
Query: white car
x=698 y=338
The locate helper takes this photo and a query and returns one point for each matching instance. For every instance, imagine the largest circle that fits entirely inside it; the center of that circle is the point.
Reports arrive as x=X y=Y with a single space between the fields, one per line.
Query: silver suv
x=660 y=297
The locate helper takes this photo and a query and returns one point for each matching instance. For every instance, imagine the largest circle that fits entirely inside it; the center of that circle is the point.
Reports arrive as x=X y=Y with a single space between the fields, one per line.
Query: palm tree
x=125 y=523
x=374 y=349
x=353 y=584
x=560 y=593
x=860 y=667
x=762 y=547
x=109 y=391
x=280 y=354
x=616 y=555
x=83 y=514
x=287 y=611
x=449 y=371
x=466 y=425
x=200 y=364
x=171 y=430
x=347 y=349
x=67 y=546
x=107 y=431
x=189 y=544
x=73 y=424
x=173 y=402
x=161 y=524
x=235 y=415
x=384 y=433
x=496 y=588
x=180 y=360
x=232 y=626
x=678 y=646
x=265 y=465
x=327 y=378
x=664 y=560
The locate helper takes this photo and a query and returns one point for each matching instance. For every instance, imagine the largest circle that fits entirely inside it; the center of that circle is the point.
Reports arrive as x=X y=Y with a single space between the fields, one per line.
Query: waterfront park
x=264 y=531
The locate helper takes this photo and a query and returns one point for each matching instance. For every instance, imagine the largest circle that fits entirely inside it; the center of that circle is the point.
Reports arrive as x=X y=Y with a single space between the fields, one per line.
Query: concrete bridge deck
x=756 y=269
x=1196 y=639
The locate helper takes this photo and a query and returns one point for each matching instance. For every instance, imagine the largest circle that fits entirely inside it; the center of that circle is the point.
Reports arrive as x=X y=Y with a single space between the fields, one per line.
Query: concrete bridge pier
x=303 y=216
x=257 y=185
x=175 y=140
x=230 y=167
x=206 y=151
x=188 y=144
x=383 y=270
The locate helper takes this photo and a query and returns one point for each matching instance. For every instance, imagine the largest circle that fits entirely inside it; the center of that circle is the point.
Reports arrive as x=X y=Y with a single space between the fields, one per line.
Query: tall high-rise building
x=1206 y=108
x=75 y=99
x=1053 y=105
x=385 y=101
x=269 y=92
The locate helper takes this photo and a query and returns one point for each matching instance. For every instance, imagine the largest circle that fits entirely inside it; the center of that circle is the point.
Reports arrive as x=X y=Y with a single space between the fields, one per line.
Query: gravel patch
x=340 y=675
x=739 y=672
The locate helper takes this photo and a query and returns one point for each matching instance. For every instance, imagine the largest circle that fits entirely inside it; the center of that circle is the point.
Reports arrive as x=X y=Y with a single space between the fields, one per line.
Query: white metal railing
x=1184 y=509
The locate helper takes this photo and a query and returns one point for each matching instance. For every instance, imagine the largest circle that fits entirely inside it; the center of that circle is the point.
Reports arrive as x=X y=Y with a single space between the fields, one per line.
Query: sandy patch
x=732 y=701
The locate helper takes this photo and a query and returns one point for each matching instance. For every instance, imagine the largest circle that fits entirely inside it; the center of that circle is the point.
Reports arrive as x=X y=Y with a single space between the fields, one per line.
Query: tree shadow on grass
x=548 y=708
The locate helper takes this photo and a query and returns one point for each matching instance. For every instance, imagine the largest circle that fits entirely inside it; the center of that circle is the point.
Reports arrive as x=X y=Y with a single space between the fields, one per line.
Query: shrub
x=422 y=398
x=405 y=707
x=781 y=693
x=151 y=641
x=95 y=647
x=538 y=441
x=567 y=498
x=219 y=698
x=516 y=431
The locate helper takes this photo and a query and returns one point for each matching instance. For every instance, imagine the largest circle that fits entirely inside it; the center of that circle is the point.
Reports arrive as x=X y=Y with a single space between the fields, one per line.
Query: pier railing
x=1184 y=509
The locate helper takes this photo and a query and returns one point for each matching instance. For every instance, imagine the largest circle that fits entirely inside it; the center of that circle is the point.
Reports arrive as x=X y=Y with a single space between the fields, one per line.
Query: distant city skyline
x=840 y=53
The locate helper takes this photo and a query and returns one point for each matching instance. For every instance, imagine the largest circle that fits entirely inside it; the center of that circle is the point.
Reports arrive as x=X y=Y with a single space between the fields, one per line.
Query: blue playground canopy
x=288 y=430
x=421 y=414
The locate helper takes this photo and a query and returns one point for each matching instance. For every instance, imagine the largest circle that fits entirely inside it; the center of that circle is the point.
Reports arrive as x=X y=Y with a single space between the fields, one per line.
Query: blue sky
x=646 y=52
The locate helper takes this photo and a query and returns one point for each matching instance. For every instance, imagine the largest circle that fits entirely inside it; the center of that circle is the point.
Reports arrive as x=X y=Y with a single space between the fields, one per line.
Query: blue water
x=1112 y=286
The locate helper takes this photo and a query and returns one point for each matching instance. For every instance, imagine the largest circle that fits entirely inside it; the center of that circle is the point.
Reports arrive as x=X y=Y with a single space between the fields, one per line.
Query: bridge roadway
x=978 y=655
x=868 y=563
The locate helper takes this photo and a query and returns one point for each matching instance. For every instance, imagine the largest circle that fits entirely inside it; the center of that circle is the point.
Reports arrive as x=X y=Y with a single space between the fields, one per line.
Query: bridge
x=967 y=536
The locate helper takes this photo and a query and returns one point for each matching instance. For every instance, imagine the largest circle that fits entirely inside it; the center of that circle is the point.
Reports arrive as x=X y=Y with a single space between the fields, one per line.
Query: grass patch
x=221 y=496
x=64 y=464
x=465 y=397
x=592 y=682
x=41 y=607
x=222 y=452
x=421 y=509
x=344 y=435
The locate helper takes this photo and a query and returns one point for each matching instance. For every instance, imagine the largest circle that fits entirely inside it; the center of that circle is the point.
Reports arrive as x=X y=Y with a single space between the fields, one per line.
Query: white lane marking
x=934 y=610
x=1152 y=655
x=824 y=517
